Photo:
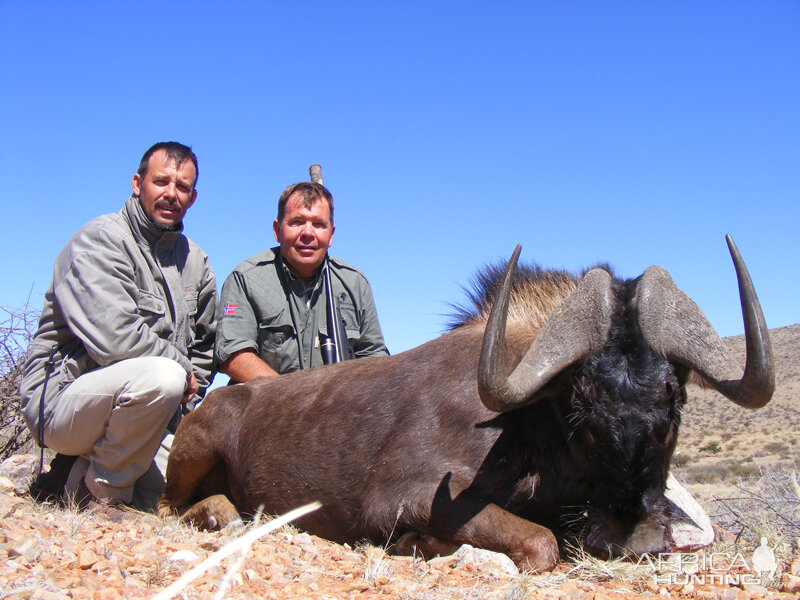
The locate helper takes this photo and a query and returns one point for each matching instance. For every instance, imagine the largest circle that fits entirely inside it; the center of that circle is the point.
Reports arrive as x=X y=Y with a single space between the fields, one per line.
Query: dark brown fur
x=403 y=444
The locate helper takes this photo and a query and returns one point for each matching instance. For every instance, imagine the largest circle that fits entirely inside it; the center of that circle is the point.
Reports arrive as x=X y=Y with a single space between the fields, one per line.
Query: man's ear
x=333 y=230
x=276 y=229
x=194 y=197
x=136 y=184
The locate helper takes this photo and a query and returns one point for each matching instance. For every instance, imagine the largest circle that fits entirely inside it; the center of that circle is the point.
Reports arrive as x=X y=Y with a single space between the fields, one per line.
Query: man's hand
x=191 y=388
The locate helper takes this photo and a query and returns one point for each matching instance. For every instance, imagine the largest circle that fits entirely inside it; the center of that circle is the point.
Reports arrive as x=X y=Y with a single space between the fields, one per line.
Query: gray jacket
x=122 y=288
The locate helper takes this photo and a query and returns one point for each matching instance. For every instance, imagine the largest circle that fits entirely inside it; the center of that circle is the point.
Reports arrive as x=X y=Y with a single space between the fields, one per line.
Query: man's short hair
x=175 y=151
x=309 y=192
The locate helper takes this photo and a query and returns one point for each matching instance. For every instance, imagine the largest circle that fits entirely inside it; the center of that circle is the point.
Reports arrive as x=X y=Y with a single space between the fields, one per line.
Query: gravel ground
x=104 y=553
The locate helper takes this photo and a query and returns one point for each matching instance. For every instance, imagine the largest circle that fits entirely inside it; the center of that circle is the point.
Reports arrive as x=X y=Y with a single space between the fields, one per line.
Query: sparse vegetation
x=712 y=448
x=764 y=505
x=16 y=332
x=680 y=460
x=776 y=447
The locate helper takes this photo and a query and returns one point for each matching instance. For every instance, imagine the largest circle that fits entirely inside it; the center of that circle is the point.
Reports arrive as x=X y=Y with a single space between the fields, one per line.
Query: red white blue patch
x=230 y=309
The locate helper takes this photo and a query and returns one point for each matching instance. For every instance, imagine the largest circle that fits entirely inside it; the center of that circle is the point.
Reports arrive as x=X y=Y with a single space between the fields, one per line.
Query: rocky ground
x=103 y=554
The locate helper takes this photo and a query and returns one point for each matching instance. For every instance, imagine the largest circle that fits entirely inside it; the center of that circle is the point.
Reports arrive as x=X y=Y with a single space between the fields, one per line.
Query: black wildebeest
x=557 y=412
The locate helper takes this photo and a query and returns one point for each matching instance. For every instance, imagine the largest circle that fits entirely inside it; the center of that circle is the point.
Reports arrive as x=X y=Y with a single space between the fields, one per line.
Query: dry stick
x=243 y=542
x=237 y=566
x=754 y=497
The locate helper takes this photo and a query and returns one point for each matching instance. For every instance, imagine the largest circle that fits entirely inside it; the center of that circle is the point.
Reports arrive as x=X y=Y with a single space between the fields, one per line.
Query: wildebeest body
x=378 y=452
x=414 y=443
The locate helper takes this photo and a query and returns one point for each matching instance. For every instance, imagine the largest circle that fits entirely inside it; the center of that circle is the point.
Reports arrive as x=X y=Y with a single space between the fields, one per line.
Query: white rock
x=486 y=559
x=693 y=530
x=183 y=556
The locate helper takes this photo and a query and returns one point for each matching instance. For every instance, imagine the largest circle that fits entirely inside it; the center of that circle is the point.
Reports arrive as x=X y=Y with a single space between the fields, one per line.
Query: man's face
x=166 y=191
x=305 y=234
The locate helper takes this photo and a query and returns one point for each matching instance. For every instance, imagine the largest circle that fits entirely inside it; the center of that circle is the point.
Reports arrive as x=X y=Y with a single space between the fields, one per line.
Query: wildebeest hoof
x=212 y=513
x=540 y=553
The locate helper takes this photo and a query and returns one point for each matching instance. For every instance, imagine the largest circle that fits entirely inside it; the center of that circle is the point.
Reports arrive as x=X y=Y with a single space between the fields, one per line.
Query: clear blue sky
x=636 y=133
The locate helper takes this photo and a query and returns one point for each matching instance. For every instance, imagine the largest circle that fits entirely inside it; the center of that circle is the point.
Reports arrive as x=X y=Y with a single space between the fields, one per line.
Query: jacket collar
x=144 y=229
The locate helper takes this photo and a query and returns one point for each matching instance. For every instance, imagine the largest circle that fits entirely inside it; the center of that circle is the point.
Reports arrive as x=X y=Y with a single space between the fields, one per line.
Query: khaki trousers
x=116 y=419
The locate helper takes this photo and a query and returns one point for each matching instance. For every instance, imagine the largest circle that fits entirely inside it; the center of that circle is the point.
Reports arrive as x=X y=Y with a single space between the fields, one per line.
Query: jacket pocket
x=191 y=302
x=190 y=297
x=152 y=308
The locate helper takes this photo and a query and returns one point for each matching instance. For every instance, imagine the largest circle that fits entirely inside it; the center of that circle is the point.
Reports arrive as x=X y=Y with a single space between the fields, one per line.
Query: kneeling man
x=125 y=340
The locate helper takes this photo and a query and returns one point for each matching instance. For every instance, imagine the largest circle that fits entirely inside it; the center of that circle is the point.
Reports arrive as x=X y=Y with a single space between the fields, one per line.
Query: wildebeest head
x=623 y=412
x=614 y=358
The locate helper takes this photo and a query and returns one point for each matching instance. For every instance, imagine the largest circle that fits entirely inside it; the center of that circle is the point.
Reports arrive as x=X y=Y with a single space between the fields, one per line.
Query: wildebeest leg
x=195 y=470
x=529 y=545
x=214 y=512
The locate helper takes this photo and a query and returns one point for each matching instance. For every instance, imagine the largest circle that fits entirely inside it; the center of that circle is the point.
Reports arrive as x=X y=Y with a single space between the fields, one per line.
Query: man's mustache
x=167 y=204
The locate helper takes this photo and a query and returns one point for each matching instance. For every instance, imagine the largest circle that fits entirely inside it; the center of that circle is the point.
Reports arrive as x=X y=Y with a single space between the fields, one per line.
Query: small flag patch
x=230 y=309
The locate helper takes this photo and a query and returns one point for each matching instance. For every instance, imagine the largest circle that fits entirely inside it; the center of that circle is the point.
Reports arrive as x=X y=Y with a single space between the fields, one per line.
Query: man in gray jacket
x=126 y=338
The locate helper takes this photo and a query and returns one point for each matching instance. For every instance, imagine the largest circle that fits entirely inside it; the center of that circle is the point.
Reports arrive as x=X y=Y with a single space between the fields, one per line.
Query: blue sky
x=635 y=133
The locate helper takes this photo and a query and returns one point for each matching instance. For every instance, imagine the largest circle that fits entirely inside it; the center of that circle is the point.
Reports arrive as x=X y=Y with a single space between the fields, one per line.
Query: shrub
x=16 y=332
x=746 y=468
x=775 y=447
x=766 y=504
x=711 y=448
x=680 y=460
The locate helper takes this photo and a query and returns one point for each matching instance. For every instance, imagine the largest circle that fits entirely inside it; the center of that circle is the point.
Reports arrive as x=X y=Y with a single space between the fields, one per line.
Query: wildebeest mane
x=535 y=293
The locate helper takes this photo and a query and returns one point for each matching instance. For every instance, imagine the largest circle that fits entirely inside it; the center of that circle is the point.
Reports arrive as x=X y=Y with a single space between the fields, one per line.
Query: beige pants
x=116 y=419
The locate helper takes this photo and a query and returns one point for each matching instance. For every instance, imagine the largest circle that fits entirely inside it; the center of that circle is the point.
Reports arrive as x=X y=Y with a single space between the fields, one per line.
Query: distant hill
x=721 y=442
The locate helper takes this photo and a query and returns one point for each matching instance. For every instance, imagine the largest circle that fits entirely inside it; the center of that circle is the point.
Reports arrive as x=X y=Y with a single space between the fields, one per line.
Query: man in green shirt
x=272 y=308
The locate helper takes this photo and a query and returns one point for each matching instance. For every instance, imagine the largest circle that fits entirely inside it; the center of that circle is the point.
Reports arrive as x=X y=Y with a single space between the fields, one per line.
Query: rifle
x=333 y=347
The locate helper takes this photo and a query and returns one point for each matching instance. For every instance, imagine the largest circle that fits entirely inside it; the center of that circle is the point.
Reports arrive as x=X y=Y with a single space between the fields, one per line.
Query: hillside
x=721 y=442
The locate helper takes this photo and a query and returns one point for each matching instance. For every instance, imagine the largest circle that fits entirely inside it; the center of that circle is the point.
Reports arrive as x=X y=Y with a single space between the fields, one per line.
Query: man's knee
x=167 y=376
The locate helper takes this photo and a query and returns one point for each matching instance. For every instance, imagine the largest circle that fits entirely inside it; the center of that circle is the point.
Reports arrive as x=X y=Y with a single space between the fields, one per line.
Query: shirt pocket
x=347 y=310
x=152 y=308
x=277 y=346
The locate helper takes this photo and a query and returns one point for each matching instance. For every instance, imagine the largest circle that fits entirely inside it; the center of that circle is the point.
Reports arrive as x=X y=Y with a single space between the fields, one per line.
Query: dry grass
x=764 y=506
x=241 y=545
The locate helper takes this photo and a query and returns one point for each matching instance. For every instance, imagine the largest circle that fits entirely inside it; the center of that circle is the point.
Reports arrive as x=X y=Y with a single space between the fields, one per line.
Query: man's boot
x=49 y=486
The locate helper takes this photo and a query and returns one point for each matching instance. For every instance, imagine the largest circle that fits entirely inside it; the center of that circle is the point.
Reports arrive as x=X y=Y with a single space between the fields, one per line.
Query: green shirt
x=265 y=308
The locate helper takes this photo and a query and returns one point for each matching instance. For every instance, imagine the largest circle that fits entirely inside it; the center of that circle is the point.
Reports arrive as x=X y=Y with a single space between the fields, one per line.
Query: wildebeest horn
x=674 y=325
x=577 y=327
